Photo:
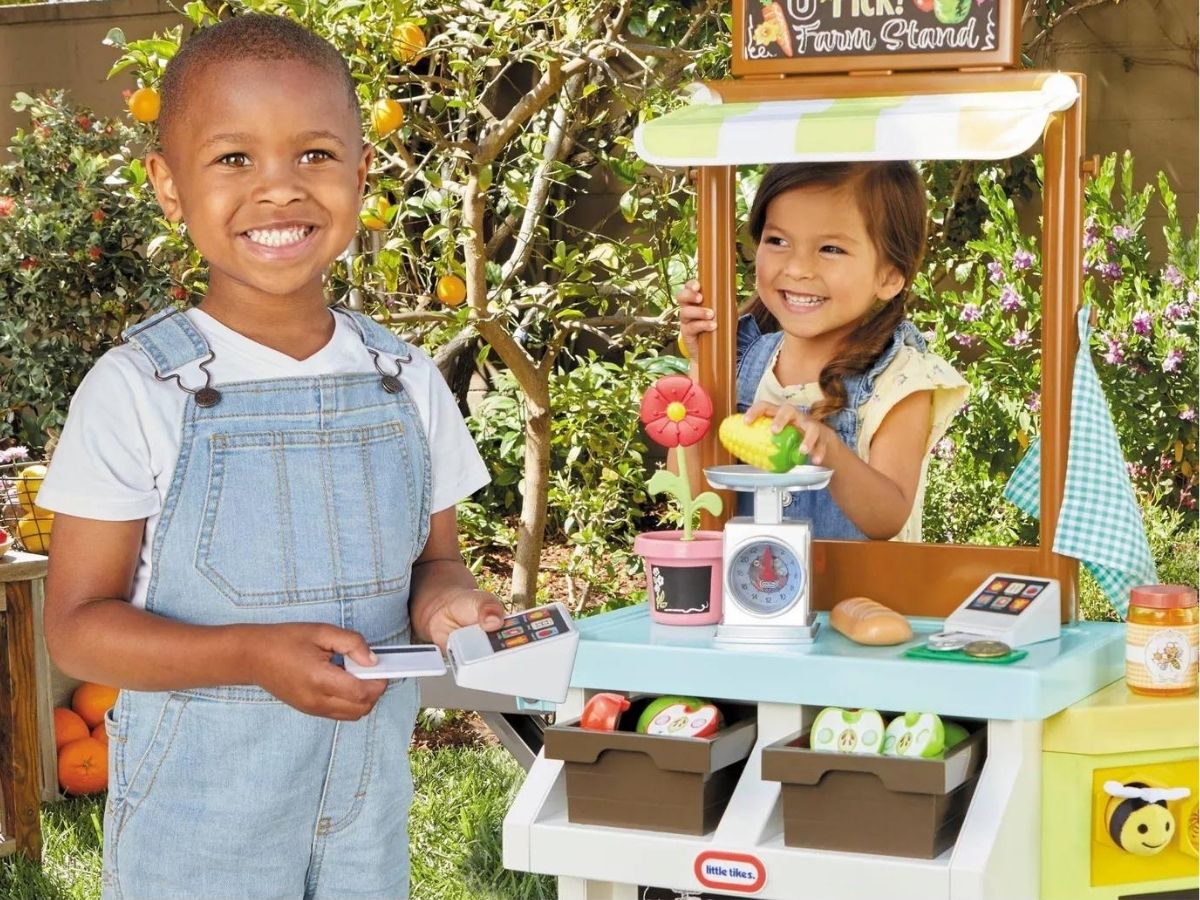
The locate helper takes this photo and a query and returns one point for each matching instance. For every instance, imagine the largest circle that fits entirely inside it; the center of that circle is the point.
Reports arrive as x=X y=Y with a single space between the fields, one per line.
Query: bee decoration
x=1137 y=817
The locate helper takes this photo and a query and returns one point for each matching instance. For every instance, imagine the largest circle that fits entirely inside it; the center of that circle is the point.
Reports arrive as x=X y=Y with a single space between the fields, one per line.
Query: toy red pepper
x=602 y=712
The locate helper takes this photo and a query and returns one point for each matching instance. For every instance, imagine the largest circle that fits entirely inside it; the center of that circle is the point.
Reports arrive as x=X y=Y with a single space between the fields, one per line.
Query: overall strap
x=755 y=352
x=375 y=336
x=168 y=340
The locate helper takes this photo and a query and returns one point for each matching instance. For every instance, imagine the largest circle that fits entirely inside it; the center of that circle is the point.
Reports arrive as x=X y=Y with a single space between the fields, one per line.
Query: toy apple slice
x=915 y=734
x=837 y=730
x=680 y=717
x=602 y=712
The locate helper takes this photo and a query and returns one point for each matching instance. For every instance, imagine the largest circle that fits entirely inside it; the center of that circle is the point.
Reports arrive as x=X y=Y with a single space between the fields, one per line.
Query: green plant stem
x=685 y=500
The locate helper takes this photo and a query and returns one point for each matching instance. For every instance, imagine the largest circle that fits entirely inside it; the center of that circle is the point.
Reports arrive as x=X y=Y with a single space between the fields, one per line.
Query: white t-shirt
x=118 y=450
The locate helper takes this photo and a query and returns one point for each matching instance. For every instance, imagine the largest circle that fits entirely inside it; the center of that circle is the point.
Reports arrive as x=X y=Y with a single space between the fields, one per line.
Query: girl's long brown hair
x=891 y=198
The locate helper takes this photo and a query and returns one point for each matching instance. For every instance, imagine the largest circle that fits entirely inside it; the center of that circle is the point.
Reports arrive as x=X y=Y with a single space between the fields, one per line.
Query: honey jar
x=1162 y=634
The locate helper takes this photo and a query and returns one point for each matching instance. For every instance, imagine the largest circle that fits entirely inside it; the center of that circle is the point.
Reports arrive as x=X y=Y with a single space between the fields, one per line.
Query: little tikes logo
x=730 y=871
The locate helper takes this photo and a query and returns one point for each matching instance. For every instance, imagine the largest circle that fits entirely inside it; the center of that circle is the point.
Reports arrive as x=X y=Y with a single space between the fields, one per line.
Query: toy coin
x=987 y=649
x=948 y=640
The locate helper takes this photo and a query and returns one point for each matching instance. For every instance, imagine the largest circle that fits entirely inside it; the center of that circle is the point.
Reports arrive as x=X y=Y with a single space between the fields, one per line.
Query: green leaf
x=709 y=502
x=114 y=38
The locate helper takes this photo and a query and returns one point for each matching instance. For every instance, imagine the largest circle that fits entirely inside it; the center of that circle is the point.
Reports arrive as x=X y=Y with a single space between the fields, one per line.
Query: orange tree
x=507 y=223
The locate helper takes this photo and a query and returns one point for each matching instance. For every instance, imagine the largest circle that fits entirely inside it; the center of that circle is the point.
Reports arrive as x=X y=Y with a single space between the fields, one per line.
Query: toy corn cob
x=756 y=444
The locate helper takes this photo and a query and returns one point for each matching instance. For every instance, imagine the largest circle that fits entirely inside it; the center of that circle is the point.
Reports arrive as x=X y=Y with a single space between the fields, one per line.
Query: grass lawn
x=462 y=795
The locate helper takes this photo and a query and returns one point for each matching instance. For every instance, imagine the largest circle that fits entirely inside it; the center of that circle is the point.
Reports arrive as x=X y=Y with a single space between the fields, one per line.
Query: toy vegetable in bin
x=683 y=568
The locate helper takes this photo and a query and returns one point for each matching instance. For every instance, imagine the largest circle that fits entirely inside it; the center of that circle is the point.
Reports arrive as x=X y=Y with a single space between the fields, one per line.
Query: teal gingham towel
x=1100 y=523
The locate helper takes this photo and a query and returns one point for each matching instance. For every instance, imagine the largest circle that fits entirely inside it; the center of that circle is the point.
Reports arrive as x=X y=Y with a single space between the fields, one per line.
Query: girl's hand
x=458 y=607
x=820 y=441
x=694 y=317
x=293 y=663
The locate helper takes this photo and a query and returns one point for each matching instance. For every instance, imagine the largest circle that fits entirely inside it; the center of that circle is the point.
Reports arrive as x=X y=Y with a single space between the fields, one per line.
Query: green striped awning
x=984 y=125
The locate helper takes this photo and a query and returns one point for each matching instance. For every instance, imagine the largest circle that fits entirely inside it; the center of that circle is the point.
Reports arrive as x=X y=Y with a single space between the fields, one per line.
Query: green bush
x=82 y=254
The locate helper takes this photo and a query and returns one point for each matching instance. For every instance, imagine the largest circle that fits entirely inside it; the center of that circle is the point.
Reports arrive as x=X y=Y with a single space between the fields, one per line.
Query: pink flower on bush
x=1174 y=312
x=7 y=205
x=1142 y=323
x=971 y=313
x=995 y=272
x=1019 y=339
x=1110 y=270
x=1121 y=233
x=1115 y=355
x=1188 y=414
x=944 y=449
x=1010 y=300
x=1173 y=360
x=964 y=340
x=1022 y=260
x=1091 y=234
x=1033 y=402
x=1173 y=276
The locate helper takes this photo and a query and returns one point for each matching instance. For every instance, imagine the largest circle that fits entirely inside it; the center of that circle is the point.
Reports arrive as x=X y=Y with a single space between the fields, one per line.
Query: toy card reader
x=531 y=655
x=1013 y=609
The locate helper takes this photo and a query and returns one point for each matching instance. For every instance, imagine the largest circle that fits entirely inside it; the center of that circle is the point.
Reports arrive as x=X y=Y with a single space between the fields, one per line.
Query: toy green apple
x=680 y=717
x=837 y=730
x=915 y=734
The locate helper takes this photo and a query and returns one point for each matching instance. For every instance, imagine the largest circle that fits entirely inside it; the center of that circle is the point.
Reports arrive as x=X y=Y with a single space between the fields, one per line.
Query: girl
x=248 y=489
x=824 y=343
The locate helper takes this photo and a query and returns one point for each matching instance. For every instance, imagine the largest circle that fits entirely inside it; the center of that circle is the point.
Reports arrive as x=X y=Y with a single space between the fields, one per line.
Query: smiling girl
x=824 y=343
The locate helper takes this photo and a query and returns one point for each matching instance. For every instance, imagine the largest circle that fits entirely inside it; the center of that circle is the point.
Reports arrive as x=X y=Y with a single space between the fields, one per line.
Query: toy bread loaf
x=869 y=622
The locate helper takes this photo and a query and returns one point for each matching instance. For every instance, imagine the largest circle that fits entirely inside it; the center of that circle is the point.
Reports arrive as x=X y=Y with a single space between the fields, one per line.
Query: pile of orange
x=81 y=740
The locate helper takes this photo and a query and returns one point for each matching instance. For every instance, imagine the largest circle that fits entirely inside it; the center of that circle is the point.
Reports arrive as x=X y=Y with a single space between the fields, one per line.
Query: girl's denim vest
x=755 y=351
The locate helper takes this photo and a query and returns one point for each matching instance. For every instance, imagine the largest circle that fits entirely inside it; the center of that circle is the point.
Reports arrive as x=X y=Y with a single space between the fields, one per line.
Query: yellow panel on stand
x=1116 y=720
x=1116 y=736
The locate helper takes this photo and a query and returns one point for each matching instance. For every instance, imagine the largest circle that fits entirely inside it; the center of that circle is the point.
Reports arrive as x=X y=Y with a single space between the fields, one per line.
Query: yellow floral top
x=910 y=371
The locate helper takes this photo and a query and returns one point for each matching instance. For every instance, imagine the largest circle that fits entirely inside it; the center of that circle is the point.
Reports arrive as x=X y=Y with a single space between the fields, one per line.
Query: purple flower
x=1115 y=355
x=1010 y=300
x=1121 y=233
x=1188 y=415
x=971 y=313
x=1173 y=360
x=1019 y=339
x=1142 y=323
x=14 y=454
x=1091 y=233
x=1033 y=402
x=964 y=340
x=1173 y=276
x=944 y=449
x=995 y=272
x=1174 y=312
x=1110 y=270
x=1022 y=259
x=1191 y=299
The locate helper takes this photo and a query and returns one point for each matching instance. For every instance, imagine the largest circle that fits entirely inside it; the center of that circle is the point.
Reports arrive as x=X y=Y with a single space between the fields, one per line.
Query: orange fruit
x=92 y=701
x=143 y=104
x=83 y=766
x=374 y=214
x=100 y=734
x=386 y=116
x=451 y=290
x=408 y=40
x=68 y=726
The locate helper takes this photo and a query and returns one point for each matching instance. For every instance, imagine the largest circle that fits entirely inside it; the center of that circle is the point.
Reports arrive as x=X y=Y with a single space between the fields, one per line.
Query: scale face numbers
x=766 y=577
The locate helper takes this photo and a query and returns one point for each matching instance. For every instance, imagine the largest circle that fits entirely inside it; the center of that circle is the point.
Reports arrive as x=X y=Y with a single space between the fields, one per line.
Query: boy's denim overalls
x=293 y=500
x=755 y=351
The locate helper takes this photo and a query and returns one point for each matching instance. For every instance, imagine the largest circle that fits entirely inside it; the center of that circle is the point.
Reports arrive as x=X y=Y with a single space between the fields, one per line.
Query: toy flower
x=677 y=413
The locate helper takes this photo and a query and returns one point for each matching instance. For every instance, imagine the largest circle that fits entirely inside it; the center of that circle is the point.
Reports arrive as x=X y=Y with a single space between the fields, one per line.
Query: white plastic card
x=530 y=656
x=1015 y=609
x=400 y=661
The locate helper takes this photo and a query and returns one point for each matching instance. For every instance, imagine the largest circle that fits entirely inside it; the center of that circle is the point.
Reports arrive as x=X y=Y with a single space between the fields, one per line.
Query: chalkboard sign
x=810 y=36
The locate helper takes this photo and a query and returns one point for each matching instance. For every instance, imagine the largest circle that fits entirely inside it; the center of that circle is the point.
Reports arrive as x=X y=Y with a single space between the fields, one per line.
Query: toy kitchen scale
x=1043 y=789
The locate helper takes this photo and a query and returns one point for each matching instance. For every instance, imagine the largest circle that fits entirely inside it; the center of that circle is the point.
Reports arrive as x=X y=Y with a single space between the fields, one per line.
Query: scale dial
x=766 y=577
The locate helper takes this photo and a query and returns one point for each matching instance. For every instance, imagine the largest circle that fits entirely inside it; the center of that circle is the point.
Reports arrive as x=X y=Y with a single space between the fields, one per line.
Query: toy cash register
x=531 y=655
x=1014 y=609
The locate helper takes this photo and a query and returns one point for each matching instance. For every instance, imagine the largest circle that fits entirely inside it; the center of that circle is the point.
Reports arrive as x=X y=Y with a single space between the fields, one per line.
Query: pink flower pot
x=683 y=578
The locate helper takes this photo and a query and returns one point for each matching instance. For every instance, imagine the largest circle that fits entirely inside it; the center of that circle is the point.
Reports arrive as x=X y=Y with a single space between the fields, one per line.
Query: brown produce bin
x=885 y=805
x=652 y=782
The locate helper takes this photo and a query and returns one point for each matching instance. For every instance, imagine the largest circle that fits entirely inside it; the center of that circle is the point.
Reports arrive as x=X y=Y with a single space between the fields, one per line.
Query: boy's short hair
x=253 y=36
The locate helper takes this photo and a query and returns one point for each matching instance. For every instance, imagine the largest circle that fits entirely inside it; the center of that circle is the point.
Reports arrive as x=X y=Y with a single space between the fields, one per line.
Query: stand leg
x=19 y=771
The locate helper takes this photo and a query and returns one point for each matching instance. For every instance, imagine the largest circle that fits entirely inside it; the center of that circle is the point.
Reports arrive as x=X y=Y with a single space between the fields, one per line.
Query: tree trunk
x=531 y=531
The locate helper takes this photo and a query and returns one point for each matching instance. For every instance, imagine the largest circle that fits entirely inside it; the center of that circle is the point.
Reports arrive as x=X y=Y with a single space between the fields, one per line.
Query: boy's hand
x=292 y=662
x=457 y=607
x=694 y=317
x=820 y=441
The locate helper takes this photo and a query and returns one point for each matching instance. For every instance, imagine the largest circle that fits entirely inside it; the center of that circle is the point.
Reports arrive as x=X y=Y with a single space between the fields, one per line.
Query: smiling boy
x=248 y=489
